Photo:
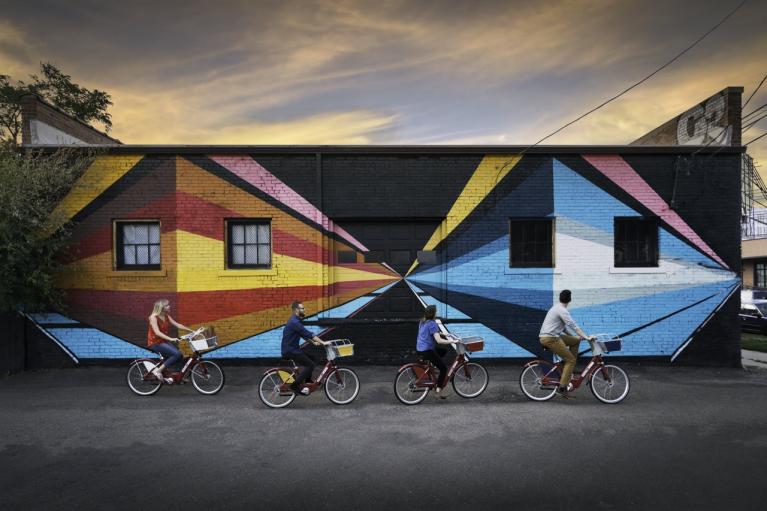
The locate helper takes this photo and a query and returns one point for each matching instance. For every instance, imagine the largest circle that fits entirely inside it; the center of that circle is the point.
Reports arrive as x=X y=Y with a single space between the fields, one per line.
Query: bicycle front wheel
x=470 y=380
x=342 y=386
x=269 y=389
x=610 y=384
x=405 y=387
x=138 y=382
x=531 y=381
x=207 y=377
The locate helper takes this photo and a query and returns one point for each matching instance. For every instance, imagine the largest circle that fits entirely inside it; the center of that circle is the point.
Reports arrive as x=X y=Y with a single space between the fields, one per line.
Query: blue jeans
x=171 y=354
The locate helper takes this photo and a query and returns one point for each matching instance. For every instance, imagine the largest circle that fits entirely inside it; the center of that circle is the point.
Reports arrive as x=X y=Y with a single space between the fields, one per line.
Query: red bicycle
x=609 y=383
x=206 y=376
x=341 y=383
x=469 y=379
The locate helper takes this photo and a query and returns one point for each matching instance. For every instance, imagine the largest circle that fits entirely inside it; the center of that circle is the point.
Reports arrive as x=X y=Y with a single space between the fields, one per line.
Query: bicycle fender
x=535 y=362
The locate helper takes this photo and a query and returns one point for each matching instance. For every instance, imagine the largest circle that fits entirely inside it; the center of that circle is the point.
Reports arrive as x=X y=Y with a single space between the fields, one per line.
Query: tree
x=31 y=185
x=56 y=88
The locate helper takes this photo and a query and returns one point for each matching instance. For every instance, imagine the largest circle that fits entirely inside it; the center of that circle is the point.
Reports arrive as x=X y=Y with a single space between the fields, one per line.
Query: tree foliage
x=57 y=88
x=31 y=185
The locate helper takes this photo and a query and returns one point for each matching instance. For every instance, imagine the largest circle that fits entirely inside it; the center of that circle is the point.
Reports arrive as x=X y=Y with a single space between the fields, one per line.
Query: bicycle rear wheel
x=207 y=377
x=610 y=384
x=405 y=387
x=342 y=386
x=470 y=380
x=137 y=381
x=531 y=381
x=269 y=389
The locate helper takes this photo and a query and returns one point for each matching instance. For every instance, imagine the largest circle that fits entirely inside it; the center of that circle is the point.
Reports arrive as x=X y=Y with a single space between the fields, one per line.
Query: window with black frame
x=531 y=242
x=137 y=245
x=249 y=244
x=760 y=273
x=636 y=242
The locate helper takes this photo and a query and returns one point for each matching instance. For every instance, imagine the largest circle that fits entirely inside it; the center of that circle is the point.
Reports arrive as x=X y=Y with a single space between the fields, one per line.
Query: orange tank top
x=152 y=338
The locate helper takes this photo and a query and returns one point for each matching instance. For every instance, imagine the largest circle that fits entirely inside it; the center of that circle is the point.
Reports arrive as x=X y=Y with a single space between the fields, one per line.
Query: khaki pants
x=566 y=346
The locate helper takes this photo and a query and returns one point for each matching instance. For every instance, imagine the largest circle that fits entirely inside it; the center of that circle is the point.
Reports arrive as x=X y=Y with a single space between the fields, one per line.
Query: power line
x=752 y=112
x=752 y=123
x=640 y=82
x=755 y=91
x=757 y=138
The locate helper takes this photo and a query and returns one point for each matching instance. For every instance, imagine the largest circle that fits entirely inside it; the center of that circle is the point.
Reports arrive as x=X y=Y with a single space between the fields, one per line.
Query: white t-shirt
x=557 y=320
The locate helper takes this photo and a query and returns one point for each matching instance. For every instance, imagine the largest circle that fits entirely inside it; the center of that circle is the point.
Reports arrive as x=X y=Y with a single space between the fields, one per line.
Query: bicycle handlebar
x=191 y=334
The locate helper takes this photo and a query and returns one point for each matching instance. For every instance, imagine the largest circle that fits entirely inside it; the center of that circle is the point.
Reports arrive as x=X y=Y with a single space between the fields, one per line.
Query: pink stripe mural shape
x=618 y=171
x=251 y=171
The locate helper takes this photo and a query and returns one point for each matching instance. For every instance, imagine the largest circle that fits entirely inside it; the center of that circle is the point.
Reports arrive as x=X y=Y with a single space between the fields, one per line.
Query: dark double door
x=385 y=330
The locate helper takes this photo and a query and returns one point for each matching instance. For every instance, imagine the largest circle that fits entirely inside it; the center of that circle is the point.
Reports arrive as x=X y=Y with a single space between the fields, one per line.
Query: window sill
x=249 y=272
x=531 y=271
x=137 y=273
x=639 y=269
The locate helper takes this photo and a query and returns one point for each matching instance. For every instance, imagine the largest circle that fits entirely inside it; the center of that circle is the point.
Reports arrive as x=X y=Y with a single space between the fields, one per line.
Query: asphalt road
x=683 y=439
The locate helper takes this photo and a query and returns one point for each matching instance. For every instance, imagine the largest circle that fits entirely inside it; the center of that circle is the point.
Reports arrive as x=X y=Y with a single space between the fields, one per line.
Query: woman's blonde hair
x=159 y=305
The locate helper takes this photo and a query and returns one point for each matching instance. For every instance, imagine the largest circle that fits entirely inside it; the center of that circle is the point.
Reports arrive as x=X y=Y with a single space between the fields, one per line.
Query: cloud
x=17 y=53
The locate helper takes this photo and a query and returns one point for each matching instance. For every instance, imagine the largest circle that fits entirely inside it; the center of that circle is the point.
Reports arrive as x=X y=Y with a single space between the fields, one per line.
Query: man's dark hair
x=565 y=296
x=295 y=304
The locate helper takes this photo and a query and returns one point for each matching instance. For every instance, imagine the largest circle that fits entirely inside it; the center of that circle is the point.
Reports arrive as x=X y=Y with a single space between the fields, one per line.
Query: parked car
x=753 y=316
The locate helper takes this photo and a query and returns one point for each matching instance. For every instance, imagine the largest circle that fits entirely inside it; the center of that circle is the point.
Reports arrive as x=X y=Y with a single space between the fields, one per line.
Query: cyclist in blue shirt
x=429 y=336
x=293 y=331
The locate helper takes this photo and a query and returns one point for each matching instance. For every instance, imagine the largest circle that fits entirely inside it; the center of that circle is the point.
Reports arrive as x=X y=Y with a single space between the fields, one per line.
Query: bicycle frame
x=191 y=361
x=427 y=378
x=329 y=366
x=595 y=364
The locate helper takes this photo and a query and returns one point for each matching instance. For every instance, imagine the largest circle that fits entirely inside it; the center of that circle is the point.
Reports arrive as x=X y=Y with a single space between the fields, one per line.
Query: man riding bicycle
x=553 y=337
x=293 y=331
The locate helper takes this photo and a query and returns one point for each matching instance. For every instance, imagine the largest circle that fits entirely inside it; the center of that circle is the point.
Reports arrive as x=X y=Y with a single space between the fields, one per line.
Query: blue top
x=426 y=331
x=293 y=331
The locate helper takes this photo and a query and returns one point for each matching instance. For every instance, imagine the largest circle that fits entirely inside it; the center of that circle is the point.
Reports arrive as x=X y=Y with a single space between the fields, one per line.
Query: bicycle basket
x=339 y=348
x=473 y=343
x=204 y=343
x=609 y=343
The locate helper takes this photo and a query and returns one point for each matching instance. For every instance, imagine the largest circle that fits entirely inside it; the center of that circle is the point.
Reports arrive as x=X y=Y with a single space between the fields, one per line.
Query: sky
x=390 y=72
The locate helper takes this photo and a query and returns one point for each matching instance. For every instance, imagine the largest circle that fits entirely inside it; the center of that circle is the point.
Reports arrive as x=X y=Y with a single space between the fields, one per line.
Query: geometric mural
x=191 y=199
x=658 y=310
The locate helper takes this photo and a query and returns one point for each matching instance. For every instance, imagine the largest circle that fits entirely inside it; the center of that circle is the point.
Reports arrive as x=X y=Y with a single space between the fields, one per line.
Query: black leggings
x=435 y=357
x=307 y=364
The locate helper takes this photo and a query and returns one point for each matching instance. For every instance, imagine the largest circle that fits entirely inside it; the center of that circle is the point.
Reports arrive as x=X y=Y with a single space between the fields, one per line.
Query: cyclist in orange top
x=160 y=342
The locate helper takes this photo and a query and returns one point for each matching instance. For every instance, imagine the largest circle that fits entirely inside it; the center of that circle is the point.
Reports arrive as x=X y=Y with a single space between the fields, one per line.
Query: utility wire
x=640 y=82
x=752 y=112
x=755 y=139
x=755 y=91
x=752 y=123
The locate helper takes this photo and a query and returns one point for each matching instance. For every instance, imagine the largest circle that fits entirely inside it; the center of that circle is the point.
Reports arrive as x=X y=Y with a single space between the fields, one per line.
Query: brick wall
x=307 y=198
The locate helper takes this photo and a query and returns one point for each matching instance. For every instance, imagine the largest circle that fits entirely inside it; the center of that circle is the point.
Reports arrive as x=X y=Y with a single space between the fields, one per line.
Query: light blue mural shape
x=484 y=271
x=87 y=342
x=496 y=345
x=268 y=344
x=569 y=190
x=661 y=338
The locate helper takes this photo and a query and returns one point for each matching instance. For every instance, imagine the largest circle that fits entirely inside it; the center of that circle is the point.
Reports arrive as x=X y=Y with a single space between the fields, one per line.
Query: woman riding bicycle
x=159 y=340
x=429 y=336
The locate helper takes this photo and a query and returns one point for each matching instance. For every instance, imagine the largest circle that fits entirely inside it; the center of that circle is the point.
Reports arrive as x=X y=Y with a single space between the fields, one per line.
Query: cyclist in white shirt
x=553 y=336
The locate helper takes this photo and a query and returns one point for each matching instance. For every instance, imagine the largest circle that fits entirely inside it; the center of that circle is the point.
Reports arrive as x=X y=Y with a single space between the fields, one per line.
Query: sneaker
x=305 y=391
x=564 y=392
x=440 y=394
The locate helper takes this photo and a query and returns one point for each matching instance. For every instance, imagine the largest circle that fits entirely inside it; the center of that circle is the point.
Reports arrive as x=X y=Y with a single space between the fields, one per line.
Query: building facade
x=647 y=238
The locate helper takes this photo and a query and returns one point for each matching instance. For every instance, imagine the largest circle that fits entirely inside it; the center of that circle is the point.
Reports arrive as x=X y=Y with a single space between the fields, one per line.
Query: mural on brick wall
x=657 y=309
x=191 y=199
